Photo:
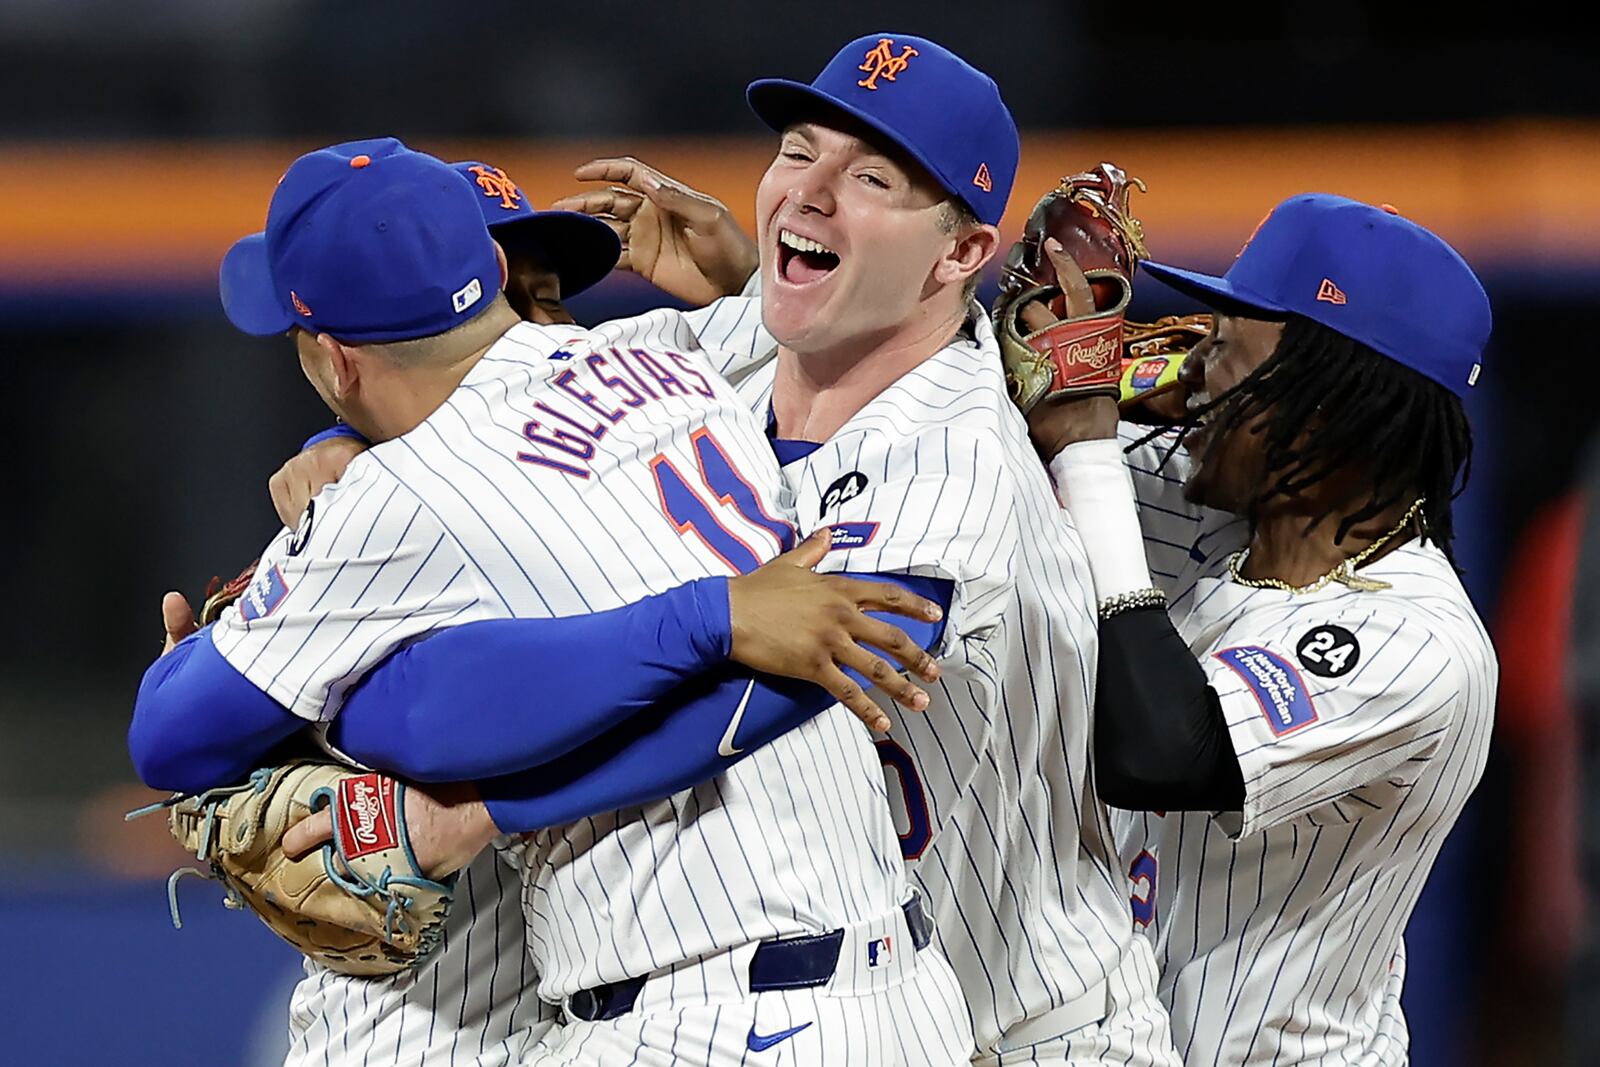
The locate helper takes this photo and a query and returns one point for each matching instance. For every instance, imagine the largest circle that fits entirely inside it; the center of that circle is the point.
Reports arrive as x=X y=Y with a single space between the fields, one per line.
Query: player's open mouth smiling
x=801 y=260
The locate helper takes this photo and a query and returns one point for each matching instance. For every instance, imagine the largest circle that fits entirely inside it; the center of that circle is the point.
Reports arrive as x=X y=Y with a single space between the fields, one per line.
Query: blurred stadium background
x=140 y=140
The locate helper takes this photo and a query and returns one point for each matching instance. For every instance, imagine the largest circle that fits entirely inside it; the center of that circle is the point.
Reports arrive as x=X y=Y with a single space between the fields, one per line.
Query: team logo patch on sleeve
x=848 y=535
x=264 y=595
x=1277 y=686
x=1328 y=650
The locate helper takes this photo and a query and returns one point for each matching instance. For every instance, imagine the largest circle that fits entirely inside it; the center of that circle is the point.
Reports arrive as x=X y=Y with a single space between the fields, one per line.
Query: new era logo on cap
x=982 y=179
x=1331 y=293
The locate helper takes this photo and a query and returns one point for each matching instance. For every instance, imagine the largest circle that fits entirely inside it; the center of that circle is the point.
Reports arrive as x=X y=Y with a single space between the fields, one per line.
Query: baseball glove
x=1096 y=353
x=220 y=594
x=357 y=905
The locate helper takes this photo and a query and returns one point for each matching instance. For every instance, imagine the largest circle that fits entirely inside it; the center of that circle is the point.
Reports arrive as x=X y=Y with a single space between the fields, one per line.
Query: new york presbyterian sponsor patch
x=847 y=535
x=266 y=592
x=1277 y=686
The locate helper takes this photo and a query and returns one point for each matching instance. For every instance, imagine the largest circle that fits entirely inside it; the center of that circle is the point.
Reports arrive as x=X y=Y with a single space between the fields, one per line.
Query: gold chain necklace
x=1344 y=573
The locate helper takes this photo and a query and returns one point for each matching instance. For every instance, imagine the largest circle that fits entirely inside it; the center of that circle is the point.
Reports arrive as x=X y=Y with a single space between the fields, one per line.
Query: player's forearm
x=198 y=723
x=706 y=727
x=490 y=698
x=1160 y=740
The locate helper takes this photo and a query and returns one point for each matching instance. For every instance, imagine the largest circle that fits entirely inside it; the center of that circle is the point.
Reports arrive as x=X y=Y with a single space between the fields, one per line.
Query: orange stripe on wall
x=163 y=214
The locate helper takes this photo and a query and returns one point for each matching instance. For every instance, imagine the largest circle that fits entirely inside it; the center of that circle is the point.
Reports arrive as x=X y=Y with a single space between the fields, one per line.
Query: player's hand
x=447 y=826
x=1056 y=422
x=789 y=620
x=677 y=238
x=177 y=619
x=305 y=475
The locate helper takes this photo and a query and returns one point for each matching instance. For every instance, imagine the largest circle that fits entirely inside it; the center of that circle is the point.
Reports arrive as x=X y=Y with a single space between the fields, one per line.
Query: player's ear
x=972 y=247
x=505 y=267
x=341 y=361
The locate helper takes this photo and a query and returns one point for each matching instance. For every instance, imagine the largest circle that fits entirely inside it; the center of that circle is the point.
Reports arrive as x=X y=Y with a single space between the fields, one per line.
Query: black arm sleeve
x=1160 y=740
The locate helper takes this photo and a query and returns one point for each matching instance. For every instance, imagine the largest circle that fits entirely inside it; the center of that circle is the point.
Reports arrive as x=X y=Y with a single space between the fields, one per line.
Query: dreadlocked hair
x=1322 y=403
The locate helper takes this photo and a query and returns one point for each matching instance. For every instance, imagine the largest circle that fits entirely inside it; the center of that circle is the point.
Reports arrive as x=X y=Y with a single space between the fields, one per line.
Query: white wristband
x=1095 y=487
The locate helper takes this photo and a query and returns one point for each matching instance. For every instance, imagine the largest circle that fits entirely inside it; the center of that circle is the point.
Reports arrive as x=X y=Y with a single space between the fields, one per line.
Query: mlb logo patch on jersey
x=1277 y=686
x=880 y=951
x=847 y=535
x=266 y=592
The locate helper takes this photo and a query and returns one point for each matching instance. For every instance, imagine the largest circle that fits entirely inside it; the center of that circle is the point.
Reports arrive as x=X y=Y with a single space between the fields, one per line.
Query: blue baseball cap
x=579 y=248
x=1365 y=272
x=942 y=111
x=367 y=241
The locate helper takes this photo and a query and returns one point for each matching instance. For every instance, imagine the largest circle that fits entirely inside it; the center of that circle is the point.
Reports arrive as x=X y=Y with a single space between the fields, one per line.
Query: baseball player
x=882 y=391
x=1003 y=828
x=550 y=256
x=473 y=1003
x=487 y=496
x=1324 y=696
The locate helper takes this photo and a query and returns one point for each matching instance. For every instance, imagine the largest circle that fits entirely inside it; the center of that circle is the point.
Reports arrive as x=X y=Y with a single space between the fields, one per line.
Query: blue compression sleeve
x=698 y=734
x=488 y=698
x=199 y=723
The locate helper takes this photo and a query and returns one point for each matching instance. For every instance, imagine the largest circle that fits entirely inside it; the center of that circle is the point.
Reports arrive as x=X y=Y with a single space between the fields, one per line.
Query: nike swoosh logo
x=725 y=746
x=759 y=1043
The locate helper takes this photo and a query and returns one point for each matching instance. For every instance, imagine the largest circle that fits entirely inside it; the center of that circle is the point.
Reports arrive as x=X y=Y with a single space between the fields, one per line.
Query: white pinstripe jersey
x=1361 y=721
x=991 y=786
x=575 y=471
x=472 y=1005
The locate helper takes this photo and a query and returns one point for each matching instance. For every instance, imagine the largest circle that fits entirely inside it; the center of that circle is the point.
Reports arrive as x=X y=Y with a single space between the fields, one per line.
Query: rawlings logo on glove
x=357 y=905
x=369 y=800
x=1088 y=349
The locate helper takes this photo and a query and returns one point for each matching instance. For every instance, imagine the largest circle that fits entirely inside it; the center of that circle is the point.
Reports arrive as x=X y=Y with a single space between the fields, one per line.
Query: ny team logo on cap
x=881 y=62
x=949 y=118
x=496 y=182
